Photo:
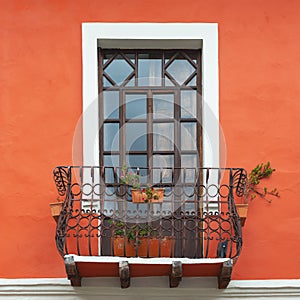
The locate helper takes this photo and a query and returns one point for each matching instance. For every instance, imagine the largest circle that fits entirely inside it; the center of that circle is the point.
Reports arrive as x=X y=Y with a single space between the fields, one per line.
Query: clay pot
x=141 y=197
x=242 y=210
x=56 y=208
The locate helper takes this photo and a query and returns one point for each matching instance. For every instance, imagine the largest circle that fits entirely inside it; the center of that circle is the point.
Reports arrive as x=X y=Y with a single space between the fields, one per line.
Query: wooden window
x=150 y=108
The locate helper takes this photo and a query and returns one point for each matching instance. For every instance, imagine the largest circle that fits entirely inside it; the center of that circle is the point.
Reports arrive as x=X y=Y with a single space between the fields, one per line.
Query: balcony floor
x=109 y=266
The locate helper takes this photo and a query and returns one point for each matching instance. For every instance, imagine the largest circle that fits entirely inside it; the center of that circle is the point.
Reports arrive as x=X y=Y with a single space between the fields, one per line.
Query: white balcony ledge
x=127 y=267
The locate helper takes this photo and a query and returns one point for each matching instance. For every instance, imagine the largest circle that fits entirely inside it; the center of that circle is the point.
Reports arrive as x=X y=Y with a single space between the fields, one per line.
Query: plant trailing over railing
x=260 y=172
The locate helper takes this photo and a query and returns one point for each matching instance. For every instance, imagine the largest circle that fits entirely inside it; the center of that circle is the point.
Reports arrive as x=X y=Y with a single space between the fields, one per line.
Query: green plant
x=130 y=178
x=133 y=180
x=133 y=232
x=118 y=227
x=148 y=193
x=260 y=172
x=136 y=232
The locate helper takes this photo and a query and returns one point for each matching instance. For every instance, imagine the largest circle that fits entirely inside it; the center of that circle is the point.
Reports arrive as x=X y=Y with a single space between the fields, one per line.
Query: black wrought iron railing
x=193 y=215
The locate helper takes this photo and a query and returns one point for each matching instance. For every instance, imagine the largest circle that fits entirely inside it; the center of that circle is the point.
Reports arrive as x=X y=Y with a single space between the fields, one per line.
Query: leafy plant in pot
x=140 y=194
x=134 y=240
x=253 y=188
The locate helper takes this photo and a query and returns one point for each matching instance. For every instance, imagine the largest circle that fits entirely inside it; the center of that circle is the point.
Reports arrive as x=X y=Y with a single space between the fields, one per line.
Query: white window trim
x=180 y=35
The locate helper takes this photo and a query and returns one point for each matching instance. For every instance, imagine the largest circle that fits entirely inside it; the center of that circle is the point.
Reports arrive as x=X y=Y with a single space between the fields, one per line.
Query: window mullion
x=163 y=69
x=199 y=108
x=177 y=129
x=149 y=128
x=122 y=138
x=136 y=71
x=100 y=105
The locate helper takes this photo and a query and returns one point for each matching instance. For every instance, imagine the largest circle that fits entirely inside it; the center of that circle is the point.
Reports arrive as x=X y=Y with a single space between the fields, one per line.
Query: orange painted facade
x=41 y=102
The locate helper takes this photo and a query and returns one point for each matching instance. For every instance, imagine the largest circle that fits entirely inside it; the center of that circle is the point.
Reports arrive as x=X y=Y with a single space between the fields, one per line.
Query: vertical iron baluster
x=218 y=185
x=90 y=215
x=160 y=176
x=101 y=212
x=206 y=189
x=197 y=212
x=102 y=189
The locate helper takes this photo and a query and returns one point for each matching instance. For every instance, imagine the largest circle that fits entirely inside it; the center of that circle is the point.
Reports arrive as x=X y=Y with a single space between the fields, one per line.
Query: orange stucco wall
x=40 y=81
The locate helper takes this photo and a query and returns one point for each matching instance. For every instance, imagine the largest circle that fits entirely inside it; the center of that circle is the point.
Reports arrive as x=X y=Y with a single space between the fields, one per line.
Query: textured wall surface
x=40 y=82
x=148 y=289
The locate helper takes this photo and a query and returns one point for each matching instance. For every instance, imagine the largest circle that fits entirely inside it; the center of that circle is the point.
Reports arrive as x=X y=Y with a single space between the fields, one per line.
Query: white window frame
x=151 y=35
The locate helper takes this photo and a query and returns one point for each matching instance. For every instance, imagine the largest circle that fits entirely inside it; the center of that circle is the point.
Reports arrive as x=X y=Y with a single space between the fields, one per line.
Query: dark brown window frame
x=150 y=90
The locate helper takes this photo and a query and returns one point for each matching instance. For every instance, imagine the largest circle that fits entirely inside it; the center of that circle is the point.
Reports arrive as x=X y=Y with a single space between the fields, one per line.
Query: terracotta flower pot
x=154 y=244
x=120 y=245
x=141 y=197
x=142 y=247
x=165 y=245
x=56 y=208
x=159 y=192
x=242 y=210
x=138 y=196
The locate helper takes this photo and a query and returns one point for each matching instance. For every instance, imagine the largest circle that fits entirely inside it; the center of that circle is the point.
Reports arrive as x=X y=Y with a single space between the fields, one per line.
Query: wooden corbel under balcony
x=176 y=268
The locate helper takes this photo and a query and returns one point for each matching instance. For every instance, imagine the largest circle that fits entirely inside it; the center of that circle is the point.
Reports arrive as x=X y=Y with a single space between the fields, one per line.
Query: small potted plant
x=121 y=245
x=135 y=239
x=252 y=189
x=147 y=194
x=138 y=194
x=129 y=240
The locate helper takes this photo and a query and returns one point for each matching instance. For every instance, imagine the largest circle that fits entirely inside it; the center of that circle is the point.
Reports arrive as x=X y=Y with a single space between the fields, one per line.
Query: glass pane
x=180 y=70
x=136 y=136
x=138 y=161
x=111 y=160
x=106 y=83
x=188 y=104
x=118 y=70
x=109 y=175
x=110 y=193
x=168 y=82
x=163 y=106
x=189 y=175
x=131 y=82
x=193 y=82
x=188 y=136
x=163 y=136
x=111 y=104
x=163 y=161
x=136 y=106
x=149 y=69
x=111 y=136
x=190 y=162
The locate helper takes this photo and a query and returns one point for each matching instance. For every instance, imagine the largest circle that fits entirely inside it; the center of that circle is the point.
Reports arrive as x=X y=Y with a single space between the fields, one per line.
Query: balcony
x=194 y=230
